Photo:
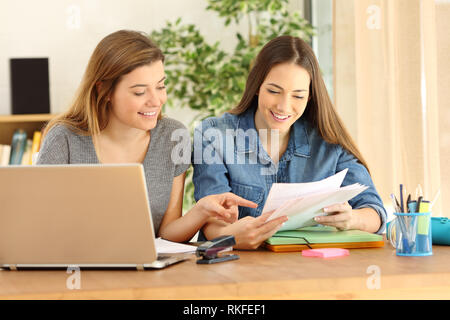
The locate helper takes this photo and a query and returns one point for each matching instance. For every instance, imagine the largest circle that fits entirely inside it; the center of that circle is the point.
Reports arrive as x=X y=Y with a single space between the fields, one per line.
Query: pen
x=407 y=241
x=401 y=198
x=395 y=203
x=413 y=222
x=407 y=202
x=398 y=205
x=407 y=218
x=418 y=204
x=419 y=201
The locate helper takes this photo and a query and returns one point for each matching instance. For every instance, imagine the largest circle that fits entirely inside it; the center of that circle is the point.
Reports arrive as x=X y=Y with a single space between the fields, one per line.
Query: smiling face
x=139 y=96
x=282 y=97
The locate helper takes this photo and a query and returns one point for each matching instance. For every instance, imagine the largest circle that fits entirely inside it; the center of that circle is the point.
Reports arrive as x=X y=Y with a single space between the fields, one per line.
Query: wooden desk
x=257 y=275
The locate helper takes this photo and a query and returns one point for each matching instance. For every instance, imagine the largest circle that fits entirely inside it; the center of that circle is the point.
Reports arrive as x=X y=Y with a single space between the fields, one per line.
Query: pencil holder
x=410 y=234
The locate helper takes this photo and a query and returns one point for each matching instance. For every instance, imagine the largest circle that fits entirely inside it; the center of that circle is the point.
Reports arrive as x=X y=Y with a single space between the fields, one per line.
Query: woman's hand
x=250 y=232
x=223 y=206
x=340 y=215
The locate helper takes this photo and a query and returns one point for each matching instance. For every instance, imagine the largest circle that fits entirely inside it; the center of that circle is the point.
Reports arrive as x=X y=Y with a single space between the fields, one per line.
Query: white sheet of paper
x=166 y=247
x=301 y=202
x=301 y=211
x=282 y=192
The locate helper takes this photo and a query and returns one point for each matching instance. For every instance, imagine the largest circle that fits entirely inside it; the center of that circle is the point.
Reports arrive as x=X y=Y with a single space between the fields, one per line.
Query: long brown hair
x=319 y=112
x=116 y=55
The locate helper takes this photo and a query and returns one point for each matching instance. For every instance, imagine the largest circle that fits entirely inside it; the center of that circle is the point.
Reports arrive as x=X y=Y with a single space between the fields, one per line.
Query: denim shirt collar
x=298 y=140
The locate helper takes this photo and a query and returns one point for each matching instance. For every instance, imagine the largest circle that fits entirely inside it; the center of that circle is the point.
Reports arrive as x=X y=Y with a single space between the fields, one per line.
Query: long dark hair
x=319 y=112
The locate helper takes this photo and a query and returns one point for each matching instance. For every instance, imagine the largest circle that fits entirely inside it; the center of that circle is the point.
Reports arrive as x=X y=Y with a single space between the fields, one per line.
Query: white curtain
x=386 y=90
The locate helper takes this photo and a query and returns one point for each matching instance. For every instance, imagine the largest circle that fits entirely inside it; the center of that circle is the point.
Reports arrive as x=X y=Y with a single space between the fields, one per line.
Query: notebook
x=322 y=237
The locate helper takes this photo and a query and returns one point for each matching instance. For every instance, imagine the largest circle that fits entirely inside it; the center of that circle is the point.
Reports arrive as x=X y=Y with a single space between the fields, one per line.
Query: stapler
x=209 y=250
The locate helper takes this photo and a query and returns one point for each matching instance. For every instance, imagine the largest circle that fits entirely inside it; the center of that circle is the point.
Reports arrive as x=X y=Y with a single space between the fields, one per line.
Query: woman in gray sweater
x=116 y=118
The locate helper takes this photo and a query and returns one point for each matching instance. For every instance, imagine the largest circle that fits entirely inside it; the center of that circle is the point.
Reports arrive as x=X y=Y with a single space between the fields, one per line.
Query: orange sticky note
x=325 y=253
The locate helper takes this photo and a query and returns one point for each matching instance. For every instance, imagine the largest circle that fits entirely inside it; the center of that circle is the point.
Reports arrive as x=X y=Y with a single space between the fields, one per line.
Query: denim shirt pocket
x=249 y=192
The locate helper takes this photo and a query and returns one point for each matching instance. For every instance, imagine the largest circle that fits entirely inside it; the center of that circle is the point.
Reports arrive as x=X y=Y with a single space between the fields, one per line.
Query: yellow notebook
x=35 y=145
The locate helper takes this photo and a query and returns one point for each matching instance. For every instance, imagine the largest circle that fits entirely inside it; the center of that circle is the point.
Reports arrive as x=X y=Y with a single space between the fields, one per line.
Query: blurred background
x=386 y=64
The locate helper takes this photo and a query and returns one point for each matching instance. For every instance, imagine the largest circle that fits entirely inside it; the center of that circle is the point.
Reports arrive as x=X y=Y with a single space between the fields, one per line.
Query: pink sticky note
x=325 y=253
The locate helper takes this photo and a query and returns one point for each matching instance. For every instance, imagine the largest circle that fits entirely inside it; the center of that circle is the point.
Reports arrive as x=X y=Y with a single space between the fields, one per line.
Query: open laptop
x=88 y=216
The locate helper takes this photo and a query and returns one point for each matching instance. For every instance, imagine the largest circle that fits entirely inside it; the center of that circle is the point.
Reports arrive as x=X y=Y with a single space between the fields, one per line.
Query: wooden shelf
x=26 y=118
x=27 y=122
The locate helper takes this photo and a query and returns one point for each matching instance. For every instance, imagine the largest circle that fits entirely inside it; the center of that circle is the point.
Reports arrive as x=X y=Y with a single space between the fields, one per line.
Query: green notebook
x=321 y=234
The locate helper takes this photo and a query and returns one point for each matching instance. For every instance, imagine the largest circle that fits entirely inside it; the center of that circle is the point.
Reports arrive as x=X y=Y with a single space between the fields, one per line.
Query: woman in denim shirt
x=285 y=129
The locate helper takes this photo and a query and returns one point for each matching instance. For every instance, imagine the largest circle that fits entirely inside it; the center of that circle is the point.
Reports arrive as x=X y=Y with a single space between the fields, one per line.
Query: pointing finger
x=240 y=201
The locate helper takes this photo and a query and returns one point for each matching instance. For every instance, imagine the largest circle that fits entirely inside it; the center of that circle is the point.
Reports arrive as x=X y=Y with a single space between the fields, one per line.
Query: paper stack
x=301 y=202
x=168 y=247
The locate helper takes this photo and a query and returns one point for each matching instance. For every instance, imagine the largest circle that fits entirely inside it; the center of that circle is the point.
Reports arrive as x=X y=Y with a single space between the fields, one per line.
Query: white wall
x=67 y=32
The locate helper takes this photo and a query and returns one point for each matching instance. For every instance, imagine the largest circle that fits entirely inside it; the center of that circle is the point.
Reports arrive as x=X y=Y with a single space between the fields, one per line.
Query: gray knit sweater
x=62 y=146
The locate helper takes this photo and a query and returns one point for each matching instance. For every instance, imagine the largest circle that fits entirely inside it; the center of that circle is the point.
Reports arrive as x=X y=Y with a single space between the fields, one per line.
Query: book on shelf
x=18 y=145
x=5 y=154
x=21 y=150
x=36 y=146
x=26 y=158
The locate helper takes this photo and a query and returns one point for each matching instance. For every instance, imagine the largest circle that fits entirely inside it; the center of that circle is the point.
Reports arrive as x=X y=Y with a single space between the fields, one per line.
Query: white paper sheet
x=167 y=247
x=282 y=192
x=301 y=202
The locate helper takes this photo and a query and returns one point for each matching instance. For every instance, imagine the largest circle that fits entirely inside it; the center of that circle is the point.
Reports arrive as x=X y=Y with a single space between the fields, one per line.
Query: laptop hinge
x=140 y=267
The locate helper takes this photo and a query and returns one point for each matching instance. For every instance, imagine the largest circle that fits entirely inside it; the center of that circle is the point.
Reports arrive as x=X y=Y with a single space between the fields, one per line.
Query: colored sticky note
x=423 y=221
x=325 y=253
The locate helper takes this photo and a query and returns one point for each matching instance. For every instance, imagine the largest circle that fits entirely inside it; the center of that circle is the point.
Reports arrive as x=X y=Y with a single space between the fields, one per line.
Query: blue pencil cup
x=410 y=234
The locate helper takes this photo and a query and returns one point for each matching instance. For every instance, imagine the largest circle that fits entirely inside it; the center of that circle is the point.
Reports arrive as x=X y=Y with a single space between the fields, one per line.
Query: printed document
x=301 y=202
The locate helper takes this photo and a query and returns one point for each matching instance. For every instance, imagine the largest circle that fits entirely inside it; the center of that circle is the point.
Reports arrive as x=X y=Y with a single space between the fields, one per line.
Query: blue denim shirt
x=225 y=159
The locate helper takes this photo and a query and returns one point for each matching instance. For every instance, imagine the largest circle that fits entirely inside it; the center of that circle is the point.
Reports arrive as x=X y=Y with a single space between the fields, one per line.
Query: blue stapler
x=209 y=250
